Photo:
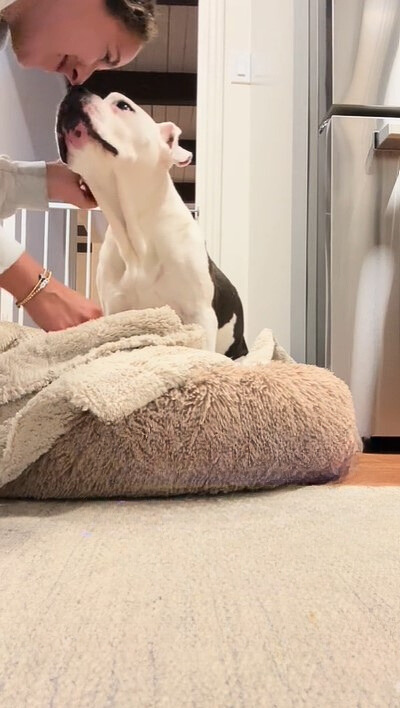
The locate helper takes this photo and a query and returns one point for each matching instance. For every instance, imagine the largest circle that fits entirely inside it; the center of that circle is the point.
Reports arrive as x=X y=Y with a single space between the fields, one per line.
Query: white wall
x=271 y=166
x=236 y=173
x=256 y=233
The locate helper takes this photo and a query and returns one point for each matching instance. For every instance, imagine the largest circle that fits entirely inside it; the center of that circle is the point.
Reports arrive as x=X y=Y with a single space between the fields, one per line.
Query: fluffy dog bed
x=129 y=405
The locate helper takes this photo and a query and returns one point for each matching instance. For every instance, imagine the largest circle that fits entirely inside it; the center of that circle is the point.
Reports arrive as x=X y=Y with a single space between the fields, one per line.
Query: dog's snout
x=74 y=127
x=70 y=115
x=71 y=109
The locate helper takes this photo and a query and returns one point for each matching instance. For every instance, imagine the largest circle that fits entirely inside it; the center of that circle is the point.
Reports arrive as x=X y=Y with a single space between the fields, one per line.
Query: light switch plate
x=241 y=68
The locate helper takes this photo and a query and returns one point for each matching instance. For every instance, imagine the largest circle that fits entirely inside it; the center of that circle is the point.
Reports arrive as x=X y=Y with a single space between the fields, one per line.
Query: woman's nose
x=77 y=73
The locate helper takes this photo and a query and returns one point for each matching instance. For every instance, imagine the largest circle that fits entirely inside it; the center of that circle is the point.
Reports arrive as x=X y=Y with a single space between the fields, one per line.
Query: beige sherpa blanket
x=109 y=367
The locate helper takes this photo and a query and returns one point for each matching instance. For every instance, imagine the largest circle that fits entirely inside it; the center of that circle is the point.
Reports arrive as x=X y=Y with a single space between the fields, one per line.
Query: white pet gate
x=64 y=239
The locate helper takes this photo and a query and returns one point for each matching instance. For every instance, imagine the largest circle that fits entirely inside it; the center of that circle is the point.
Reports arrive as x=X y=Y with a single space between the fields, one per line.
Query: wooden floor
x=375 y=470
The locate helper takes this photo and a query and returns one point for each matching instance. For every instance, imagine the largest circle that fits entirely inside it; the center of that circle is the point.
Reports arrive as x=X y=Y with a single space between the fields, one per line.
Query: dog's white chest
x=178 y=278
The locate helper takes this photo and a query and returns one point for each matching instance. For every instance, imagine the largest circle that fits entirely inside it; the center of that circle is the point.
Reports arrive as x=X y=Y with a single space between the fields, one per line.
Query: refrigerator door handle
x=388 y=138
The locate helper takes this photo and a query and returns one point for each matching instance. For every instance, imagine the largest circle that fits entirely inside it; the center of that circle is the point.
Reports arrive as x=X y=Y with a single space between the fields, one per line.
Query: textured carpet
x=287 y=598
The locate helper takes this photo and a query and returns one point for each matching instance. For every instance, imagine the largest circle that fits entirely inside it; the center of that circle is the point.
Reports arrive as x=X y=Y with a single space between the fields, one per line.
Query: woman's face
x=71 y=37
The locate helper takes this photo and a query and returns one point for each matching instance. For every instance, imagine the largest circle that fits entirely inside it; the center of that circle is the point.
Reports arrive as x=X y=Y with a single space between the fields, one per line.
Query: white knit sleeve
x=22 y=185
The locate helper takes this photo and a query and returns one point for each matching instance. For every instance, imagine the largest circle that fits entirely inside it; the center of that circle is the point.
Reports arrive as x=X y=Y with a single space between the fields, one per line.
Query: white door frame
x=210 y=118
x=302 y=100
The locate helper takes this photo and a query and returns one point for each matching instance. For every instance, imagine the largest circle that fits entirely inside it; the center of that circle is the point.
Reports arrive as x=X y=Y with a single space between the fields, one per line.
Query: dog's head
x=92 y=131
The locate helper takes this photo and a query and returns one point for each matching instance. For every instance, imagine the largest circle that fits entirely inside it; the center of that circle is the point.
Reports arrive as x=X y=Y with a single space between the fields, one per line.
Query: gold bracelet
x=44 y=280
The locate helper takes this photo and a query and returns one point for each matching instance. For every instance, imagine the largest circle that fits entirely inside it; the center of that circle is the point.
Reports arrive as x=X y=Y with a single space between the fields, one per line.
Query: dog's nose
x=73 y=103
x=77 y=89
x=78 y=93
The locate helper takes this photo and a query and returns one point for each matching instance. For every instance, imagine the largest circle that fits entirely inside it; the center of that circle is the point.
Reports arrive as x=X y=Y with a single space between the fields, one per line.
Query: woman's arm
x=31 y=185
x=55 y=307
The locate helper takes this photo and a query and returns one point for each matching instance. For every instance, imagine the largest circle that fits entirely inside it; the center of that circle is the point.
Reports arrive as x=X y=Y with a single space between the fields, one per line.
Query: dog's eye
x=124 y=106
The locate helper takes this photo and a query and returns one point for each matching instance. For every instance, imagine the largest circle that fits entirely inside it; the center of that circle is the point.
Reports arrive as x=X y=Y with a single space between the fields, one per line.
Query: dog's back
x=229 y=310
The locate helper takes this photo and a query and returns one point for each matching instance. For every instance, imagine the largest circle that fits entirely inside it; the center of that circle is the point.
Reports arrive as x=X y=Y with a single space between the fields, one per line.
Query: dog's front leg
x=208 y=320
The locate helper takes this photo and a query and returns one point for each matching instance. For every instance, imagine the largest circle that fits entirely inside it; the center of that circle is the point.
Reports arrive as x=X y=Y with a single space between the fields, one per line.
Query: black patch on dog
x=70 y=114
x=227 y=303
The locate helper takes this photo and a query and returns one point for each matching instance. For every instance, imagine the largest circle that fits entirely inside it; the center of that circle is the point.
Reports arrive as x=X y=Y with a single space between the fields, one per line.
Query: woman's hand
x=63 y=185
x=58 y=307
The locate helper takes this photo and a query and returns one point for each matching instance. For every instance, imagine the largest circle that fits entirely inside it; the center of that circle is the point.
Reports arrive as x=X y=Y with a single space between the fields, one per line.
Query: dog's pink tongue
x=78 y=137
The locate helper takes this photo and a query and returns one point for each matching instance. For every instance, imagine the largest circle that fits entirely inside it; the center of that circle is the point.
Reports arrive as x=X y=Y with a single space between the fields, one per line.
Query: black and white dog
x=154 y=253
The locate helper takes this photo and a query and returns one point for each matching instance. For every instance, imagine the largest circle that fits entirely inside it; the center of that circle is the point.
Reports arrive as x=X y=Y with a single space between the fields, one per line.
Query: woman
x=74 y=38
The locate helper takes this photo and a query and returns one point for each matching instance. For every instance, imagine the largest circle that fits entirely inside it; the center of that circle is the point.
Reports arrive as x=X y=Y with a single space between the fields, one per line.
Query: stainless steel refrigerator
x=353 y=291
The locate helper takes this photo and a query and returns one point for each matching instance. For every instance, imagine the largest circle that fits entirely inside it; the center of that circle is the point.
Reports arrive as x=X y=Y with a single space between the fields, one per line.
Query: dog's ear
x=170 y=135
